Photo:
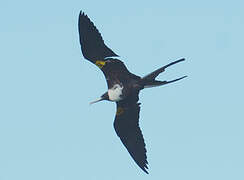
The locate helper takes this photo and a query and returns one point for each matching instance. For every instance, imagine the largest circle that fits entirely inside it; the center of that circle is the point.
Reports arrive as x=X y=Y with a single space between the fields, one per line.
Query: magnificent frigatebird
x=123 y=88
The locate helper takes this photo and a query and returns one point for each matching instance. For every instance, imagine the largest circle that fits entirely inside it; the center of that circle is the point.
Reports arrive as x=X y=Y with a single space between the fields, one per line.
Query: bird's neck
x=115 y=93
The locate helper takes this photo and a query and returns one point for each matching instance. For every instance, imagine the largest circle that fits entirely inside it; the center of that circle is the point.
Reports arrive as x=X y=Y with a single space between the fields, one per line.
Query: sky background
x=193 y=128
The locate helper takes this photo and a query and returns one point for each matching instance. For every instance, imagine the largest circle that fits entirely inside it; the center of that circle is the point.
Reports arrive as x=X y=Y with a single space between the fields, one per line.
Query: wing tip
x=145 y=169
x=87 y=28
x=82 y=13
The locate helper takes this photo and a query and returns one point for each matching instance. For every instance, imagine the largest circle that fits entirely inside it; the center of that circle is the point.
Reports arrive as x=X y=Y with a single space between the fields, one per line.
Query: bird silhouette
x=123 y=88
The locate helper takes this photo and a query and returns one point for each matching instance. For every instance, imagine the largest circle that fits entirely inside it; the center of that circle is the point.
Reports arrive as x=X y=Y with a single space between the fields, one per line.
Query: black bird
x=123 y=88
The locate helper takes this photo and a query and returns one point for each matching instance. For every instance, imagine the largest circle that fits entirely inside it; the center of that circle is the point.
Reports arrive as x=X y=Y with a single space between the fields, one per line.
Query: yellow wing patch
x=120 y=111
x=100 y=64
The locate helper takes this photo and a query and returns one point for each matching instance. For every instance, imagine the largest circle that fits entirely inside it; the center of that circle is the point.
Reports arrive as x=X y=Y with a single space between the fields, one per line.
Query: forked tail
x=149 y=80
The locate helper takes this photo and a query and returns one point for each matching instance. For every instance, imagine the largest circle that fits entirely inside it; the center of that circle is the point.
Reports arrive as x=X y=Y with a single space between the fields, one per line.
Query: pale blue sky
x=193 y=129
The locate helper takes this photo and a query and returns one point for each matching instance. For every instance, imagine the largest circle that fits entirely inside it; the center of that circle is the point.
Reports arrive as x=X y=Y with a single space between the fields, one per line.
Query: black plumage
x=123 y=88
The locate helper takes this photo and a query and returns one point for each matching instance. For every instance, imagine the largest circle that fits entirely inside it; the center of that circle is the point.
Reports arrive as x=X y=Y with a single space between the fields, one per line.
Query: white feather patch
x=115 y=93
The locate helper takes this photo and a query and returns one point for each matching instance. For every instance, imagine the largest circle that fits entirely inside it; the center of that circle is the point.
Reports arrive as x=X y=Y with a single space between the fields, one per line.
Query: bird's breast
x=115 y=93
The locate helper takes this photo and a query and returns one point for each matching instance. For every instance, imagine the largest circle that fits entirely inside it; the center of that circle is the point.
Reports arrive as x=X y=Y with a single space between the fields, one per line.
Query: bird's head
x=103 y=97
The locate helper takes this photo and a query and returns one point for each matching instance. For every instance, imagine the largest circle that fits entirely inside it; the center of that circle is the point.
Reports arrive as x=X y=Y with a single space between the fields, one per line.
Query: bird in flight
x=123 y=88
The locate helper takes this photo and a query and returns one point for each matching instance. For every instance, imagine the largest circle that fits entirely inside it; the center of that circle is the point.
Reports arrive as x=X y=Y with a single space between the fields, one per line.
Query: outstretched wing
x=92 y=44
x=126 y=125
x=94 y=50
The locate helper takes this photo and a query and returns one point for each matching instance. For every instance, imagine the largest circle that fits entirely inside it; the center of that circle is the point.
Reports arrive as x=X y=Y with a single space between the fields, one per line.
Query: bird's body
x=123 y=88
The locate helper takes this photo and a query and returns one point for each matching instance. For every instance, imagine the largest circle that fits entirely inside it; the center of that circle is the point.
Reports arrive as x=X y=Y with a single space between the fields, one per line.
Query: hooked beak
x=100 y=99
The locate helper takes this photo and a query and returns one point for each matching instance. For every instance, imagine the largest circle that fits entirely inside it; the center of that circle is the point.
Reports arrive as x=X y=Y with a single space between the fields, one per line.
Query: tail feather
x=156 y=83
x=149 y=80
x=155 y=73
